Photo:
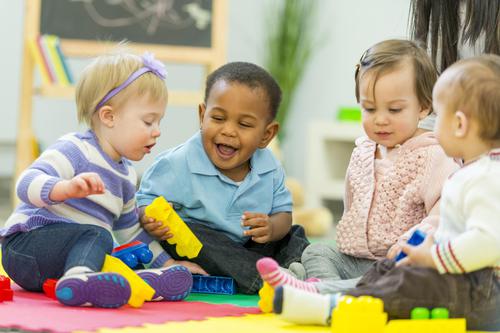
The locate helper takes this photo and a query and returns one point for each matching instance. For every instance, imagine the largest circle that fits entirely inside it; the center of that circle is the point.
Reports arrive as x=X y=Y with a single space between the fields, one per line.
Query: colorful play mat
x=35 y=312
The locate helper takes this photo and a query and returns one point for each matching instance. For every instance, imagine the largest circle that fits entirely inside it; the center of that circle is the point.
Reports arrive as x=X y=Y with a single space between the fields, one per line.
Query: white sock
x=303 y=307
x=78 y=270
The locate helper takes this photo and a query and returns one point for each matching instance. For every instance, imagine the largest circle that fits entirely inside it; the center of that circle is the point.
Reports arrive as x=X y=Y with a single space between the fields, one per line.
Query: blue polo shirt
x=200 y=193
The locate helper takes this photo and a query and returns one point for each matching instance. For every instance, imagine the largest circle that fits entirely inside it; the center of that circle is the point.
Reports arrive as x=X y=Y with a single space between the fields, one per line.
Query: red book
x=45 y=58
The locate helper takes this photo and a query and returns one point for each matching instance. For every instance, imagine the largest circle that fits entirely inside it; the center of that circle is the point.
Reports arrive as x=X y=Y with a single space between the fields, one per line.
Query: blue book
x=64 y=63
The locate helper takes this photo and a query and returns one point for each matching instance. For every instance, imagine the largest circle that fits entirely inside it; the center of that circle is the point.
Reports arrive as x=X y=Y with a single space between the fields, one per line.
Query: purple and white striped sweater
x=115 y=210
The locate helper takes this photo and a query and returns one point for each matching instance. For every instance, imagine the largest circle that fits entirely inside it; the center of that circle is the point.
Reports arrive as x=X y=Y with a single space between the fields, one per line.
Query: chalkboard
x=163 y=22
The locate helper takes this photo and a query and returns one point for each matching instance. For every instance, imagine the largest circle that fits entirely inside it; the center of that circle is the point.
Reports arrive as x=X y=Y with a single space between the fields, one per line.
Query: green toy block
x=349 y=113
x=420 y=313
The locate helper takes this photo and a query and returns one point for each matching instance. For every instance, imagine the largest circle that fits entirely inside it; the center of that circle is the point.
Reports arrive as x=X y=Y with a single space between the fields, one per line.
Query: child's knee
x=102 y=237
x=319 y=250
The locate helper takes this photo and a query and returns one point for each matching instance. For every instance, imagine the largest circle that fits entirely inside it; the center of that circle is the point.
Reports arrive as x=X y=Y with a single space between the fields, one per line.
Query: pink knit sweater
x=387 y=199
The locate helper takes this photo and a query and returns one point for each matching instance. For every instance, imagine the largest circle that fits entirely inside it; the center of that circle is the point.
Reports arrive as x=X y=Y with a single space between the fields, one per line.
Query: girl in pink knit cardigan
x=394 y=178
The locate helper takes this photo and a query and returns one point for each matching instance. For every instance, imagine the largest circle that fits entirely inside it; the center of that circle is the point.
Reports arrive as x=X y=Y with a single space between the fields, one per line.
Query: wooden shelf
x=210 y=58
x=175 y=97
x=329 y=149
x=55 y=91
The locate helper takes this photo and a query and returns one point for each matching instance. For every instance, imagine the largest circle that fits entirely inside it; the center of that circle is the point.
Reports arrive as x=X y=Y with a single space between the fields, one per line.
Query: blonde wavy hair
x=107 y=72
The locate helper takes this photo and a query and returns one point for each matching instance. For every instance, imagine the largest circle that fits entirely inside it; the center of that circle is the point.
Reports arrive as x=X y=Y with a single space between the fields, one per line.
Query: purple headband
x=150 y=65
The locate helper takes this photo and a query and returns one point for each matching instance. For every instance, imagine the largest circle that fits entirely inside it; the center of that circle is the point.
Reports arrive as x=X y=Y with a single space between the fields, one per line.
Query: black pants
x=474 y=296
x=223 y=256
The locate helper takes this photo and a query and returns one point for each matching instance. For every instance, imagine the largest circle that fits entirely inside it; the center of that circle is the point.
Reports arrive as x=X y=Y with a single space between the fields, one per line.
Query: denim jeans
x=474 y=296
x=337 y=271
x=222 y=256
x=29 y=258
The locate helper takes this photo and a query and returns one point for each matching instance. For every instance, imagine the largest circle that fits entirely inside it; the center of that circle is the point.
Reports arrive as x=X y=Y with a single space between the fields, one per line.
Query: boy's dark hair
x=250 y=75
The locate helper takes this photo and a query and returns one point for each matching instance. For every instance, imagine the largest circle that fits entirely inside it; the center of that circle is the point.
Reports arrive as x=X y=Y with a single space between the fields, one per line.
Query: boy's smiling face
x=234 y=123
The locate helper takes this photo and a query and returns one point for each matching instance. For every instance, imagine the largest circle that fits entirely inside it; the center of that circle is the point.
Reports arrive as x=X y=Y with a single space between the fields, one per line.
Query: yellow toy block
x=188 y=245
x=361 y=314
x=266 y=295
x=426 y=325
x=140 y=290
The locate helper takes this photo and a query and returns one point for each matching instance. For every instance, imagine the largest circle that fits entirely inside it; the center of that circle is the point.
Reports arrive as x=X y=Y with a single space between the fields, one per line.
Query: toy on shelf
x=266 y=297
x=349 y=113
x=140 y=290
x=187 y=243
x=416 y=238
x=359 y=314
x=6 y=293
x=49 y=288
x=423 y=320
x=213 y=285
x=133 y=254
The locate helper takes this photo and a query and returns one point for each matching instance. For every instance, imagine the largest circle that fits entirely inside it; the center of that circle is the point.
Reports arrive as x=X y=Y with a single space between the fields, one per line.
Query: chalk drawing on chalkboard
x=151 y=14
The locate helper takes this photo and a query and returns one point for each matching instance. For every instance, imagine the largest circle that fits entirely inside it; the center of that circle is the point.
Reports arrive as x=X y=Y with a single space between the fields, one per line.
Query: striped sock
x=270 y=272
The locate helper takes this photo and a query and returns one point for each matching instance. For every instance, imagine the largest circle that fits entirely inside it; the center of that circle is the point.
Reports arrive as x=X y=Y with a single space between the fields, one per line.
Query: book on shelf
x=46 y=51
x=48 y=69
x=64 y=63
x=39 y=61
x=55 y=59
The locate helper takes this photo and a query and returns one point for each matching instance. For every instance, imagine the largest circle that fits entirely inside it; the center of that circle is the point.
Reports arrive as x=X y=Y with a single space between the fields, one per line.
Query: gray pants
x=474 y=296
x=338 y=272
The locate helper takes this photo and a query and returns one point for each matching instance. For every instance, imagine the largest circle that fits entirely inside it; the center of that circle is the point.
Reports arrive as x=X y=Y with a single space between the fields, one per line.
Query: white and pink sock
x=270 y=272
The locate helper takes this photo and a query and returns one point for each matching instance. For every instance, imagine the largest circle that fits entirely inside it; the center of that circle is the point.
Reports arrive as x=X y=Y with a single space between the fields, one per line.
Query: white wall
x=348 y=27
x=351 y=26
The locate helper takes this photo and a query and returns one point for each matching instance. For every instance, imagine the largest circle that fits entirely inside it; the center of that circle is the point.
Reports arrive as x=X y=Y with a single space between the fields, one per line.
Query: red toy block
x=49 y=288
x=125 y=246
x=4 y=282
x=6 y=294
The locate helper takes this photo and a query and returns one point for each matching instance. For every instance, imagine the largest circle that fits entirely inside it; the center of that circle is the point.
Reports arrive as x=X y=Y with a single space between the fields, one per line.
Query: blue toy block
x=133 y=254
x=416 y=238
x=213 y=285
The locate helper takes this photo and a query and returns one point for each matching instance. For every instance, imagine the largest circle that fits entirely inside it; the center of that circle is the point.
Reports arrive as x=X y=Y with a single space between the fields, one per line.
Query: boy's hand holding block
x=187 y=243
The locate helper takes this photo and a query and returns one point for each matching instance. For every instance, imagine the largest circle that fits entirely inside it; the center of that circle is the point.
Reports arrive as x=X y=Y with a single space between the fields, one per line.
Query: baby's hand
x=419 y=255
x=395 y=249
x=153 y=227
x=80 y=186
x=261 y=229
x=194 y=268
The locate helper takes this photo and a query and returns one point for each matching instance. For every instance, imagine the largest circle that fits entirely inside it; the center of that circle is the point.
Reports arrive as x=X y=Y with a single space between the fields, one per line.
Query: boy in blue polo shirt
x=225 y=184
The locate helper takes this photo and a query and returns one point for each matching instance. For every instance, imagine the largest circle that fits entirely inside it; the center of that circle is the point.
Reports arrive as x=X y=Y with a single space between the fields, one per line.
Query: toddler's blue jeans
x=29 y=258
